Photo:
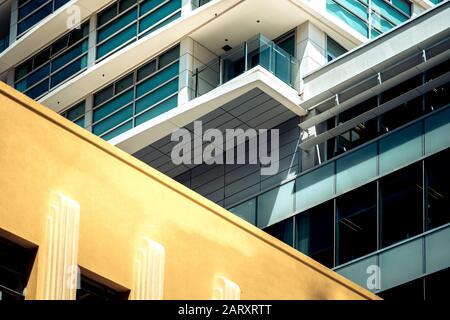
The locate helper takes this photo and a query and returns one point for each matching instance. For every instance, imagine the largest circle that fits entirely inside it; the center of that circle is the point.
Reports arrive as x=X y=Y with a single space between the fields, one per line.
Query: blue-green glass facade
x=370 y=18
x=135 y=98
x=55 y=64
x=30 y=12
x=126 y=21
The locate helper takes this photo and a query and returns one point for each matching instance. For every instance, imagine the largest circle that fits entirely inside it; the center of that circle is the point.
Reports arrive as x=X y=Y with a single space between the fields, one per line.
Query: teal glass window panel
x=33 y=78
x=315 y=187
x=60 y=3
x=436 y=250
x=76 y=111
x=112 y=121
x=161 y=108
x=149 y=5
x=116 y=25
x=169 y=56
x=403 y=5
x=159 y=14
x=275 y=205
x=107 y=15
x=103 y=95
x=357 y=271
x=380 y=23
x=70 y=55
x=334 y=49
x=38 y=90
x=68 y=71
x=246 y=211
x=356 y=7
x=30 y=7
x=39 y=15
x=126 y=4
x=356 y=168
x=437 y=132
x=374 y=33
x=388 y=11
x=80 y=122
x=124 y=83
x=116 y=41
x=157 y=79
x=401 y=264
x=113 y=105
x=146 y=70
x=401 y=148
x=119 y=130
x=351 y=19
x=162 y=24
x=157 y=95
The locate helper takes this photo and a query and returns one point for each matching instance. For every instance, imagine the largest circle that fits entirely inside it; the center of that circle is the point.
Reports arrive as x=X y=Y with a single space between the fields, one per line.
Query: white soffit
x=163 y=125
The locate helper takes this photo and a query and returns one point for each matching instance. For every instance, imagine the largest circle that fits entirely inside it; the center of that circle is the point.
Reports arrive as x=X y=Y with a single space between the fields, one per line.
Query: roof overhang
x=256 y=78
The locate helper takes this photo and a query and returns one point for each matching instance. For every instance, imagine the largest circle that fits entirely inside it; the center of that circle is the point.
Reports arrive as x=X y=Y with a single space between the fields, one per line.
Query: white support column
x=88 y=117
x=92 y=40
x=186 y=71
x=311 y=52
x=186 y=7
x=10 y=77
x=13 y=21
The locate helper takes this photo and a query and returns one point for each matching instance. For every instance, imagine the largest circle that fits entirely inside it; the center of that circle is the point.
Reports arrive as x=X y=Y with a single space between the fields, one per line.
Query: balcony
x=258 y=51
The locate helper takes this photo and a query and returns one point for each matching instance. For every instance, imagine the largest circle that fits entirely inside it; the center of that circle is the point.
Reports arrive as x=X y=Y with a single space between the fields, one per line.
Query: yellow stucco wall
x=123 y=199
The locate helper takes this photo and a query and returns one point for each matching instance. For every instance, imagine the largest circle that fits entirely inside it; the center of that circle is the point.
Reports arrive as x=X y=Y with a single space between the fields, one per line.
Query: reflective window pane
x=356 y=223
x=401 y=205
x=438 y=189
x=315 y=232
x=283 y=231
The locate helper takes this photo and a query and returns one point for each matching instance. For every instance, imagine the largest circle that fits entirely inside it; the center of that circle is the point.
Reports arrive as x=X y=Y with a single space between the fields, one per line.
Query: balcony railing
x=257 y=51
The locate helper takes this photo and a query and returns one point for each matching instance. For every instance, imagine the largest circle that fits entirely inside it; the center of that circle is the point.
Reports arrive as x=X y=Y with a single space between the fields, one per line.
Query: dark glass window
x=438 y=189
x=94 y=290
x=401 y=205
x=146 y=70
x=401 y=88
x=103 y=95
x=436 y=286
x=362 y=132
x=283 y=231
x=356 y=223
x=287 y=43
x=169 y=56
x=402 y=114
x=315 y=232
x=334 y=49
x=124 y=83
x=411 y=291
x=15 y=266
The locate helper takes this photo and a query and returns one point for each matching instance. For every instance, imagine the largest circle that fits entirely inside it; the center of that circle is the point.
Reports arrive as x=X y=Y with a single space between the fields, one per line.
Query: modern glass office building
x=358 y=89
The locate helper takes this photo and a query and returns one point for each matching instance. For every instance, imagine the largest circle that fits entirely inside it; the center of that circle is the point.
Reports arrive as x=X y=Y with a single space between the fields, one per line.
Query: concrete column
x=13 y=21
x=311 y=52
x=311 y=48
x=92 y=40
x=186 y=69
x=88 y=117
x=186 y=7
x=10 y=77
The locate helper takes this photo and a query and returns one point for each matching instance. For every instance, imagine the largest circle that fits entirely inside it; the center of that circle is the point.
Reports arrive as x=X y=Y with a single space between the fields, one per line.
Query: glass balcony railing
x=257 y=51
x=4 y=43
